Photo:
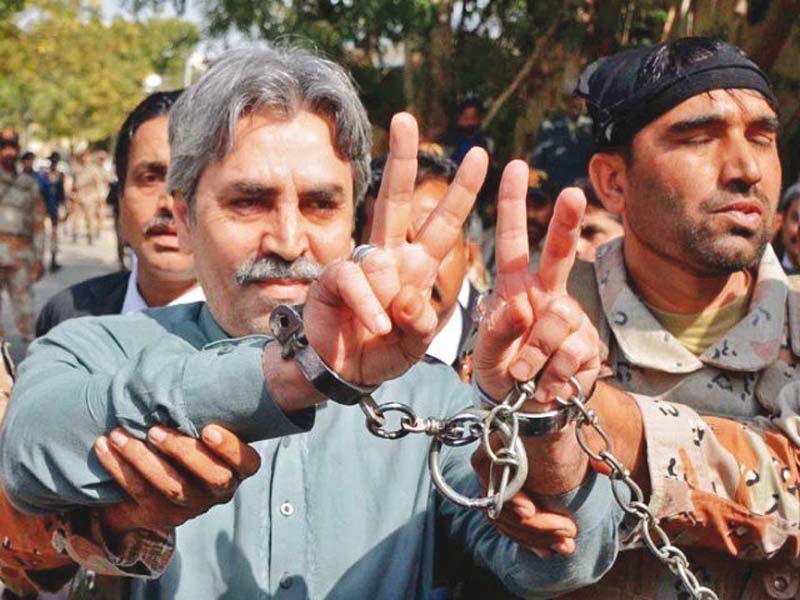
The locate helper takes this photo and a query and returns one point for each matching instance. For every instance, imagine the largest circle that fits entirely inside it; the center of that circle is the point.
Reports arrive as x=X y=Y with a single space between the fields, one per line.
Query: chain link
x=653 y=535
x=508 y=466
x=508 y=461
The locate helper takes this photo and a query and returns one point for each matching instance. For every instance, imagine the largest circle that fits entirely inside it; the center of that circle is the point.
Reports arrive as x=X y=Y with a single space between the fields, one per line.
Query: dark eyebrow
x=769 y=123
x=150 y=165
x=324 y=192
x=696 y=123
x=251 y=189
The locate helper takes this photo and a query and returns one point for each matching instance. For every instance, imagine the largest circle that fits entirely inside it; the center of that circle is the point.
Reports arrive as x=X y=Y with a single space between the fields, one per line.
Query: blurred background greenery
x=71 y=69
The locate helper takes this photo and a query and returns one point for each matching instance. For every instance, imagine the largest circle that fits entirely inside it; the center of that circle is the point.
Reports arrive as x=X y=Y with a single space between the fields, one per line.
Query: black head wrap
x=626 y=91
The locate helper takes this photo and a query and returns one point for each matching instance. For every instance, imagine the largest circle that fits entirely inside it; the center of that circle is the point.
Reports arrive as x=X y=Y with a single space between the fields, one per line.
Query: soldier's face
x=704 y=181
x=146 y=219
x=267 y=217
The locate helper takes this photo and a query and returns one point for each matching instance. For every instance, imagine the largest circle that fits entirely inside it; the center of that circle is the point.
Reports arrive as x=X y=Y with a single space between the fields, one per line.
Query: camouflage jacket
x=22 y=215
x=722 y=432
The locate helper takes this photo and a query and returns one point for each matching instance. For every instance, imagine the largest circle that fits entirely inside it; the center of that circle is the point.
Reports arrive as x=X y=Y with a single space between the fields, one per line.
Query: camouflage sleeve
x=39 y=215
x=141 y=553
x=723 y=484
x=28 y=560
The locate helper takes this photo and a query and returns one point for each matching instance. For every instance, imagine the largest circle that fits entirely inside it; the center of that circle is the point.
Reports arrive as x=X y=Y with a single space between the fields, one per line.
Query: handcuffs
x=286 y=323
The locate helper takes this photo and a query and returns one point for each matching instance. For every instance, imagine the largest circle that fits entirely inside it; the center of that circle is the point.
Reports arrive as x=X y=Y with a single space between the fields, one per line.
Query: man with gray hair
x=269 y=157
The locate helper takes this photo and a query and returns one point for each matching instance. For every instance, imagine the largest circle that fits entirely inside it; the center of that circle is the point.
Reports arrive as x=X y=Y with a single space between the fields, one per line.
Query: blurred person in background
x=786 y=242
x=563 y=146
x=88 y=193
x=55 y=201
x=160 y=274
x=21 y=234
x=467 y=132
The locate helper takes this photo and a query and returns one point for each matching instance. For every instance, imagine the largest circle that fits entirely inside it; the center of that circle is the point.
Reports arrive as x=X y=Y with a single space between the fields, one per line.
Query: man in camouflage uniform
x=90 y=188
x=701 y=325
x=21 y=234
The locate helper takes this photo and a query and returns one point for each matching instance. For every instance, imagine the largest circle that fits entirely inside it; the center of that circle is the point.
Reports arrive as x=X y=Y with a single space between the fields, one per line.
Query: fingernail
x=563 y=548
x=212 y=436
x=521 y=371
x=118 y=438
x=157 y=434
x=101 y=444
x=382 y=324
x=543 y=554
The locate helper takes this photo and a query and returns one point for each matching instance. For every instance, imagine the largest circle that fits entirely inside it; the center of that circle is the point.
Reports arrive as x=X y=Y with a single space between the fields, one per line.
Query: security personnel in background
x=21 y=234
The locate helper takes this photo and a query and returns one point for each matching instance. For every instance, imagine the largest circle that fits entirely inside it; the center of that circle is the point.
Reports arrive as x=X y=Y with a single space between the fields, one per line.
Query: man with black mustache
x=160 y=274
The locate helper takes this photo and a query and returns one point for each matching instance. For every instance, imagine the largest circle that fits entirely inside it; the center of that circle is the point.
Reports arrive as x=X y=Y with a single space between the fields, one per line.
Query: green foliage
x=67 y=74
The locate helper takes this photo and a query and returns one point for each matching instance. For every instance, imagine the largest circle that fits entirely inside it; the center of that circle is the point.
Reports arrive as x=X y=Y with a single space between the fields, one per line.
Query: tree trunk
x=764 y=41
x=542 y=45
x=440 y=64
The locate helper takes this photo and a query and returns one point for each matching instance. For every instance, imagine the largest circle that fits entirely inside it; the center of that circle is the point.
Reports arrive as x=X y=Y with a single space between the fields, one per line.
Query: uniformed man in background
x=21 y=234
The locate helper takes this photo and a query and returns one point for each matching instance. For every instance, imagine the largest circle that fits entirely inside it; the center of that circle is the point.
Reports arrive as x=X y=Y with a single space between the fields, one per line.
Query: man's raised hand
x=371 y=320
x=531 y=327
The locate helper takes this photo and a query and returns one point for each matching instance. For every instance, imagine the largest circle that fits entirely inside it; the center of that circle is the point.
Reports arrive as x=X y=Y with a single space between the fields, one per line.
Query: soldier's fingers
x=560 y=319
x=241 y=457
x=125 y=475
x=393 y=205
x=154 y=468
x=192 y=454
x=539 y=543
x=444 y=225
x=561 y=243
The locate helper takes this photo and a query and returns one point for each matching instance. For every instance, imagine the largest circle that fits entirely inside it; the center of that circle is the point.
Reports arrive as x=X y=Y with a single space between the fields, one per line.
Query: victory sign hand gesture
x=369 y=316
x=530 y=326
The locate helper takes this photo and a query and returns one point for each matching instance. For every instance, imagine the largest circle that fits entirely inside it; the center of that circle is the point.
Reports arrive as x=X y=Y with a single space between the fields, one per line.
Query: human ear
x=608 y=174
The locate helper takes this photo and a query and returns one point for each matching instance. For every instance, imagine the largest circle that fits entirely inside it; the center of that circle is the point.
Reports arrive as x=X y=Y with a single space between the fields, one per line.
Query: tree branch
x=538 y=51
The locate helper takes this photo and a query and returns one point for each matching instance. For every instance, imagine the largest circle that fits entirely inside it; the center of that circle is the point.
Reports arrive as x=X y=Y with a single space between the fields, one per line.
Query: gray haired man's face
x=268 y=217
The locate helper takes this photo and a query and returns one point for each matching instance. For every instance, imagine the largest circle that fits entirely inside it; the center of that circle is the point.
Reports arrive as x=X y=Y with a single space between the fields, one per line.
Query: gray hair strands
x=280 y=79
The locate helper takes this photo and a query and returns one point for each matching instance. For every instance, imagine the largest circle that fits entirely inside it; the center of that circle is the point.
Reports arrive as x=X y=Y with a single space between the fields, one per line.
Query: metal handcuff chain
x=655 y=538
x=510 y=460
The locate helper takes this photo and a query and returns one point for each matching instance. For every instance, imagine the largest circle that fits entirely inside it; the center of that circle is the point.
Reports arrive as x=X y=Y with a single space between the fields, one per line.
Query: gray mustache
x=273 y=267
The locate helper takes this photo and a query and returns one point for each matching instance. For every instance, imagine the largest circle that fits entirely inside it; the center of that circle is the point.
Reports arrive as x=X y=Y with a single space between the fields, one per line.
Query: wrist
x=289 y=386
x=558 y=464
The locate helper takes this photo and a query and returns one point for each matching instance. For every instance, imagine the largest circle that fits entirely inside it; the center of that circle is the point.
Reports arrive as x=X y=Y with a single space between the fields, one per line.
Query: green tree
x=64 y=73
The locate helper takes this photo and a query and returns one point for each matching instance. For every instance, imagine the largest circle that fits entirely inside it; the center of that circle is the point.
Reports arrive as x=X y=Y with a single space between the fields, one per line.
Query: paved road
x=80 y=262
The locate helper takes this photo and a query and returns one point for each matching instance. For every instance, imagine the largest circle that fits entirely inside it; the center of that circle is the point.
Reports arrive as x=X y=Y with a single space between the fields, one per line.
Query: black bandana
x=626 y=91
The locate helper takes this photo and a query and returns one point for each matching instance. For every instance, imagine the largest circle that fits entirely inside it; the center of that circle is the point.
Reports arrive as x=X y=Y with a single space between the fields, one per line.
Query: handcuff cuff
x=286 y=323
x=508 y=464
